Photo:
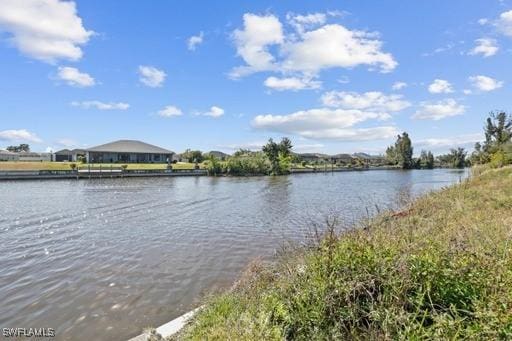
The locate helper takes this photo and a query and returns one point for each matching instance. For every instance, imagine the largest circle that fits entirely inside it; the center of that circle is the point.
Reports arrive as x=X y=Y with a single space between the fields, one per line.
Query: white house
x=6 y=155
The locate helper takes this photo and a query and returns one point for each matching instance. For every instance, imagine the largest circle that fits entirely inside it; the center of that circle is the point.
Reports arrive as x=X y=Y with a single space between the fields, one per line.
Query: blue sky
x=334 y=76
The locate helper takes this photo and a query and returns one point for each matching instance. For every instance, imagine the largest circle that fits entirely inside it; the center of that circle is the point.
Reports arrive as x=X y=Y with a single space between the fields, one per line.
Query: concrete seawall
x=56 y=175
x=119 y=173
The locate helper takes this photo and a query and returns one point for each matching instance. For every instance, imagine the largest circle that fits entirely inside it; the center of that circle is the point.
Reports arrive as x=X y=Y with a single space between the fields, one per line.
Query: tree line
x=401 y=154
x=495 y=150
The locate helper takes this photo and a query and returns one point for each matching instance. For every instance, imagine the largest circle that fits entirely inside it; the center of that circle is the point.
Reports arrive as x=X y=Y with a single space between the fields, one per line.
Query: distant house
x=34 y=157
x=219 y=155
x=69 y=155
x=373 y=160
x=342 y=159
x=6 y=155
x=312 y=157
x=128 y=151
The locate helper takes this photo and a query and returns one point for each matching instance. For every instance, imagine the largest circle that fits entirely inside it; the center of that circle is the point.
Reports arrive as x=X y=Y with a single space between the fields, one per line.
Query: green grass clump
x=439 y=269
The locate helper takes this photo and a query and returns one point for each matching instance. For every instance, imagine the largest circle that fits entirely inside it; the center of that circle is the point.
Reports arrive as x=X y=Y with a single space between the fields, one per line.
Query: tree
x=498 y=130
x=214 y=167
x=498 y=134
x=193 y=155
x=21 y=148
x=391 y=156
x=430 y=160
x=401 y=153
x=455 y=159
x=426 y=160
x=279 y=155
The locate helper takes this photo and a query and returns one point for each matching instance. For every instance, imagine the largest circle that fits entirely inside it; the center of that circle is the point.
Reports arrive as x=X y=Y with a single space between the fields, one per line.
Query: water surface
x=102 y=259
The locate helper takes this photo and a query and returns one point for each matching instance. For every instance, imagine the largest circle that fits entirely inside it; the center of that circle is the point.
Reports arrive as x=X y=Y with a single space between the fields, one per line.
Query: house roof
x=342 y=156
x=129 y=146
x=217 y=153
x=69 y=152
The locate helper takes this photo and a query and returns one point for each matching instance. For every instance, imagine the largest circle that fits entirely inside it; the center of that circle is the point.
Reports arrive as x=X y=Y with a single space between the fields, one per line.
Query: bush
x=252 y=164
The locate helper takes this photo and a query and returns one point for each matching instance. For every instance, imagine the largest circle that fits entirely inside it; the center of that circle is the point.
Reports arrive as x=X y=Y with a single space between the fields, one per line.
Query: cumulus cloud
x=440 y=86
x=194 y=41
x=308 y=51
x=47 y=30
x=291 y=83
x=326 y=123
x=504 y=23
x=252 y=43
x=101 y=105
x=333 y=46
x=465 y=139
x=307 y=21
x=22 y=135
x=151 y=76
x=486 y=47
x=213 y=112
x=72 y=76
x=373 y=100
x=398 y=86
x=484 y=83
x=170 y=111
x=439 y=110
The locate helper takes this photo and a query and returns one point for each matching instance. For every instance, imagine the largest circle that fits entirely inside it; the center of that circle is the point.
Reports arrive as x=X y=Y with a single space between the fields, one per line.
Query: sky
x=333 y=76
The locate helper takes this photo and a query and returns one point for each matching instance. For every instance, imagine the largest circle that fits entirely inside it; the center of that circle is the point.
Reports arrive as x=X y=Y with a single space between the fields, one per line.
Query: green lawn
x=440 y=269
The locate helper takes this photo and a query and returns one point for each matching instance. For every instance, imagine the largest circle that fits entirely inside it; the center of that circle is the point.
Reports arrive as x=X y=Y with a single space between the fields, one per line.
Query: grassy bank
x=439 y=269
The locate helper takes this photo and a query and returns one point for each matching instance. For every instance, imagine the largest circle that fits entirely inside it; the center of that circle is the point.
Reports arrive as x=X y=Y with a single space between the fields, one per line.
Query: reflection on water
x=102 y=259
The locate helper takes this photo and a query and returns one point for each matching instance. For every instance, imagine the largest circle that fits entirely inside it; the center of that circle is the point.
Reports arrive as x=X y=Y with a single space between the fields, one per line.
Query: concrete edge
x=170 y=328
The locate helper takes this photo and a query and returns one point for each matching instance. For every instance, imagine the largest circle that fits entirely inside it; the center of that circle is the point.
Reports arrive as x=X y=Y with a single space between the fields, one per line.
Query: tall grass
x=442 y=269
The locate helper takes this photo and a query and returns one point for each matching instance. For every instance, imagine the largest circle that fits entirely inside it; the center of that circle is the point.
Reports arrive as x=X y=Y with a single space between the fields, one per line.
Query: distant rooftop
x=129 y=146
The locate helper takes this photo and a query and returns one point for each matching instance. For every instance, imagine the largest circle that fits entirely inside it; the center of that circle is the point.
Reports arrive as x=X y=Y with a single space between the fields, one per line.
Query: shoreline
x=63 y=175
x=374 y=280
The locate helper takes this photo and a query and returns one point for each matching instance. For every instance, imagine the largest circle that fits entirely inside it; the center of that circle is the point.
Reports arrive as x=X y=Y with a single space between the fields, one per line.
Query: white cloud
x=483 y=21
x=439 y=110
x=46 y=30
x=253 y=40
x=254 y=145
x=373 y=100
x=303 y=22
x=307 y=52
x=484 y=83
x=399 y=86
x=326 y=124
x=213 y=112
x=485 y=46
x=465 y=139
x=72 y=76
x=332 y=46
x=448 y=47
x=151 y=76
x=467 y=91
x=440 y=86
x=305 y=148
x=291 y=83
x=101 y=105
x=19 y=135
x=194 y=41
x=504 y=23
x=170 y=111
